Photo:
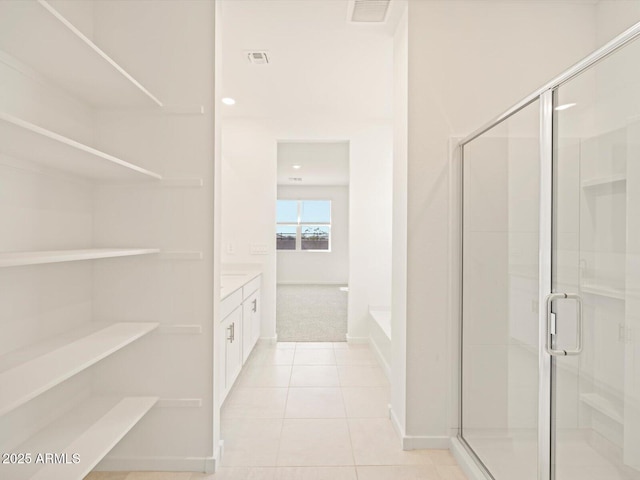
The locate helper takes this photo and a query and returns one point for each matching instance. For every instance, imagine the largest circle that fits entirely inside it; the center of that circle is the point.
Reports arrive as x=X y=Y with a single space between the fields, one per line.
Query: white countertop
x=232 y=280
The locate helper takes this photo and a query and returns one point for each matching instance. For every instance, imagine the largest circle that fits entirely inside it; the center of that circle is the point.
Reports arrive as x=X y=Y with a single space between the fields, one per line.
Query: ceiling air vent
x=295 y=179
x=369 y=11
x=258 y=58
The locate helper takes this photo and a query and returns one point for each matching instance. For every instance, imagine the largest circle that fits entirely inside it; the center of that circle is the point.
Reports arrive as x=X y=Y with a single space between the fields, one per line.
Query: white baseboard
x=417 y=442
x=219 y=457
x=397 y=426
x=268 y=340
x=381 y=360
x=357 y=340
x=466 y=463
x=158 y=464
x=211 y=464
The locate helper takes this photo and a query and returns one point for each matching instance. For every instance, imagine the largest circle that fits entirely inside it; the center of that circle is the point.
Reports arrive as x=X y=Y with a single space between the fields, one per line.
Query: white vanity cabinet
x=250 y=317
x=239 y=328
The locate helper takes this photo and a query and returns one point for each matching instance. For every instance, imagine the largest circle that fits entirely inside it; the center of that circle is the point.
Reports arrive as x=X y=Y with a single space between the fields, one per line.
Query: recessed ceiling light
x=228 y=101
x=297 y=167
x=559 y=108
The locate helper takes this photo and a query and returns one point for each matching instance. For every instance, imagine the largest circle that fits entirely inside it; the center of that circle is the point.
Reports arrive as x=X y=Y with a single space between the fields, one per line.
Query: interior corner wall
x=468 y=61
x=399 y=225
x=318 y=267
x=370 y=207
x=218 y=382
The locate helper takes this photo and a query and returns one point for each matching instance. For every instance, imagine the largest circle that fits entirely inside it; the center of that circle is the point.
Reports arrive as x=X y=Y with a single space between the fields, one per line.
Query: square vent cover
x=368 y=11
x=258 y=57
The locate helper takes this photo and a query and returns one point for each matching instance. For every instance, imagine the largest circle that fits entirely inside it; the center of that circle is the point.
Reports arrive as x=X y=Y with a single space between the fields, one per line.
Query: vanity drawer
x=230 y=303
x=251 y=287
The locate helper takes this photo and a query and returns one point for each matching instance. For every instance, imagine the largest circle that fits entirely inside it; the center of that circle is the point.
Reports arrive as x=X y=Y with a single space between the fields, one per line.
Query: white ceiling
x=321 y=66
x=322 y=163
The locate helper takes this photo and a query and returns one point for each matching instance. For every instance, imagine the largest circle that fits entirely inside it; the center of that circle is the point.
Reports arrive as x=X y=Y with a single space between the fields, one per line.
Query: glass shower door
x=499 y=384
x=550 y=382
x=595 y=422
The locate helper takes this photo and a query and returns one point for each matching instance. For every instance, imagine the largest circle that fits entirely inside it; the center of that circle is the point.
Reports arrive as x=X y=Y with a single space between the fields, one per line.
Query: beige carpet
x=311 y=313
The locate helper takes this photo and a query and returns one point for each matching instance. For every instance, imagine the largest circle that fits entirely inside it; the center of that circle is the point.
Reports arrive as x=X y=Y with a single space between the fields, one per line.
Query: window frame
x=299 y=225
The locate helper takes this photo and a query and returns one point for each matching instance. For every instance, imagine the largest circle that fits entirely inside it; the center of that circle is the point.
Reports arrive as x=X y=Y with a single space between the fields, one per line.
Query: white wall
x=613 y=17
x=319 y=267
x=468 y=61
x=248 y=196
x=218 y=382
x=370 y=200
x=399 y=222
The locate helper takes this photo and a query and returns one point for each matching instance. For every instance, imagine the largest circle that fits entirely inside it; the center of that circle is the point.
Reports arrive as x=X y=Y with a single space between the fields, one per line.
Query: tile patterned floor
x=312 y=411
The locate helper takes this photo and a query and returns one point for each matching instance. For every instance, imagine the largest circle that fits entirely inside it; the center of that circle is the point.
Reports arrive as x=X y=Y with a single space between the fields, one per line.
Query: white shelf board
x=180 y=255
x=596 y=182
x=38 y=35
x=602 y=405
x=51 y=366
x=16 y=259
x=90 y=430
x=24 y=140
x=603 y=291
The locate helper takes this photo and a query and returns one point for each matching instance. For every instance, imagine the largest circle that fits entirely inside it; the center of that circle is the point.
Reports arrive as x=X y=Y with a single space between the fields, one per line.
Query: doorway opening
x=307 y=168
x=312 y=241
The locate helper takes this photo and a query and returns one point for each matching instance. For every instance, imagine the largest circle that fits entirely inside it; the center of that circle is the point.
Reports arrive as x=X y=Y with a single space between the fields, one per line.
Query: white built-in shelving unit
x=89 y=431
x=604 y=406
x=604 y=181
x=37 y=41
x=603 y=250
x=24 y=140
x=60 y=360
x=40 y=37
x=603 y=291
x=17 y=259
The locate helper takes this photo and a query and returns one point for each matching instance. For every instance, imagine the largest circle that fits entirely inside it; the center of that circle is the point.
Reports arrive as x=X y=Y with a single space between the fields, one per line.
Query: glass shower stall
x=550 y=290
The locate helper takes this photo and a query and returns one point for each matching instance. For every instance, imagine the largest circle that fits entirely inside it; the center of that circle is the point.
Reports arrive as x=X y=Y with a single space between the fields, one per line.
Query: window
x=303 y=225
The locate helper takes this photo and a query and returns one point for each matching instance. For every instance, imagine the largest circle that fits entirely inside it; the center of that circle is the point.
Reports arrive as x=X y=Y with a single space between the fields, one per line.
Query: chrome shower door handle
x=549 y=341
